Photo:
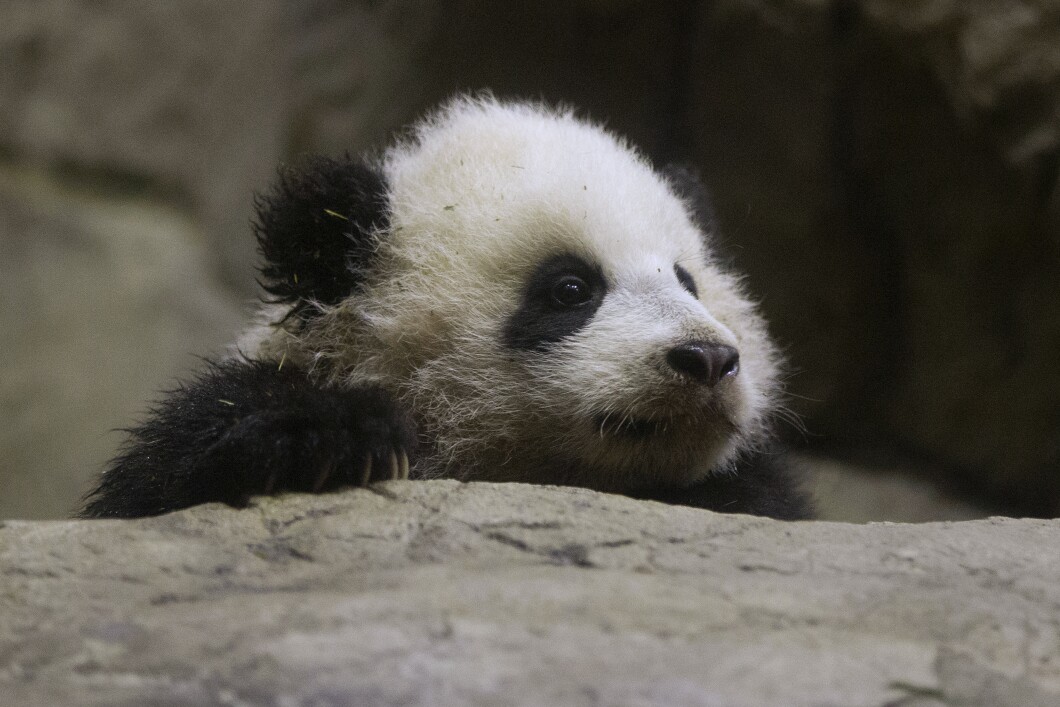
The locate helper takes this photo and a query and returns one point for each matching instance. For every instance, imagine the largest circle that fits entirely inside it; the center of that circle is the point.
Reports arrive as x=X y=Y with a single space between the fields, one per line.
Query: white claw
x=404 y=463
x=366 y=474
x=394 y=470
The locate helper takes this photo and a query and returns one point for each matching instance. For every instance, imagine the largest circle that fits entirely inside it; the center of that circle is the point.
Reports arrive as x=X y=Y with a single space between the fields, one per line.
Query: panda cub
x=509 y=293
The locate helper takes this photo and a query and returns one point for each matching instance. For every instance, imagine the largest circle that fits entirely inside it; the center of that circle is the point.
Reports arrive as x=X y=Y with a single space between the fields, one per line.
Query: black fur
x=249 y=427
x=315 y=230
x=687 y=185
x=763 y=484
x=540 y=321
x=686 y=280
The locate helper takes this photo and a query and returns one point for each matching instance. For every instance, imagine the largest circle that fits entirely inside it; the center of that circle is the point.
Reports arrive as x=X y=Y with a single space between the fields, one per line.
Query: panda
x=509 y=293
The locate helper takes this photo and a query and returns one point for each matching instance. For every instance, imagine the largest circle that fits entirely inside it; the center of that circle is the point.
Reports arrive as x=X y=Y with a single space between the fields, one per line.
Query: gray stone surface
x=437 y=593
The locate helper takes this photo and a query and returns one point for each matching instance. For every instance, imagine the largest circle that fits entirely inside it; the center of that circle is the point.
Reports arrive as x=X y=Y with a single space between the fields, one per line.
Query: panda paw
x=245 y=428
x=380 y=439
x=328 y=440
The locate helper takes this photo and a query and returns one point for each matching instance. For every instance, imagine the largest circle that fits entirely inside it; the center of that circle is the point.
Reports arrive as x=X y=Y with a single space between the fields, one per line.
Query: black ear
x=686 y=183
x=316 y=229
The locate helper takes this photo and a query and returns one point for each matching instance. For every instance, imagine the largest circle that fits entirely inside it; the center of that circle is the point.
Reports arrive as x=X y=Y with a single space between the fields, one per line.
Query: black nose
x=704 y=363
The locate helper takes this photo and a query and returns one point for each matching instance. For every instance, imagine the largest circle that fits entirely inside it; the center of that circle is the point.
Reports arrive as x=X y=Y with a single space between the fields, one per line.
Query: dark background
x=885 y=172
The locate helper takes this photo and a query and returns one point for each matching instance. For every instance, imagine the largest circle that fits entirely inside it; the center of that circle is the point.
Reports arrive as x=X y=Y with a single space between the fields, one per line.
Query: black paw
x=245 y=428
x=321 y=442
x=382 y=439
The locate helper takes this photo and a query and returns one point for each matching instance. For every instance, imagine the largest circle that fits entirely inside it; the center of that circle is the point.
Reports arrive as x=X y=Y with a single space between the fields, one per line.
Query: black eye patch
x=685 y=278
x=559 y=298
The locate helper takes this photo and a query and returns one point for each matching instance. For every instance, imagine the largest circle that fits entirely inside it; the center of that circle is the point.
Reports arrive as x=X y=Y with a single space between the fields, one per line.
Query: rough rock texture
x=886 y=170
x=414 y=593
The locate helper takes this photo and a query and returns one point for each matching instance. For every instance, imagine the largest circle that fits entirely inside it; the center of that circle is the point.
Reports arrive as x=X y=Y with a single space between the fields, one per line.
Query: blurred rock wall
x=885 y=172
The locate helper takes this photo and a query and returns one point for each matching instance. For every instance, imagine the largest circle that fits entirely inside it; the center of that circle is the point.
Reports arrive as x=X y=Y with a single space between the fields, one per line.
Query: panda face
x=542 y=302
x=629 y=373
x=550 y=311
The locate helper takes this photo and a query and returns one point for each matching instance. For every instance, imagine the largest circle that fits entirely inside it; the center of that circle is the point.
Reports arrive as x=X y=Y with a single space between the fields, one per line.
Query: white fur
x=481 y=193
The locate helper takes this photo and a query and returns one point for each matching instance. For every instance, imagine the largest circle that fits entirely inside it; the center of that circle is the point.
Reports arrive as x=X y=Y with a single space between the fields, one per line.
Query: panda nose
x=704 y=363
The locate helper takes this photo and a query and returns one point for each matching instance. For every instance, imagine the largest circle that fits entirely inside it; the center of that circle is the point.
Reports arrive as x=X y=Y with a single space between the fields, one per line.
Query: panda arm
x=763 y=484
x=246 y=427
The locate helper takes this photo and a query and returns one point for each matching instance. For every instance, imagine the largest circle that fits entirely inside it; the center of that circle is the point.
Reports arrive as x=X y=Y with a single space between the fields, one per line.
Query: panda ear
x=685 y=181
x=316 y=229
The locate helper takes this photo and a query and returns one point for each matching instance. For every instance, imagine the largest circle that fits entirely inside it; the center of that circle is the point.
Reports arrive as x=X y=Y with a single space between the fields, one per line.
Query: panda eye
x=571 y=291
x=685 y=278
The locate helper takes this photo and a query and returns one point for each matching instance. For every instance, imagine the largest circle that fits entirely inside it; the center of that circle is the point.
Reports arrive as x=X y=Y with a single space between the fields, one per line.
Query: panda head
x=543 y=301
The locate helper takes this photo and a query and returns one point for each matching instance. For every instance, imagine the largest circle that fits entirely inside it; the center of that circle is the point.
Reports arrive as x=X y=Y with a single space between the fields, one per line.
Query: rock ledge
x=414 y=593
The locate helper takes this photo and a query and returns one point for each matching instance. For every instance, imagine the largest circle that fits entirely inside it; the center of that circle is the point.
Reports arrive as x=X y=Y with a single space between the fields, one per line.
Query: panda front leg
x=246 y=427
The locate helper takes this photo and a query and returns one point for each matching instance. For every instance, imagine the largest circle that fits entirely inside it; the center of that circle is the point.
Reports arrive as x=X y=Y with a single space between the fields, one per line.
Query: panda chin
x=669 y=435
x=625 y=427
